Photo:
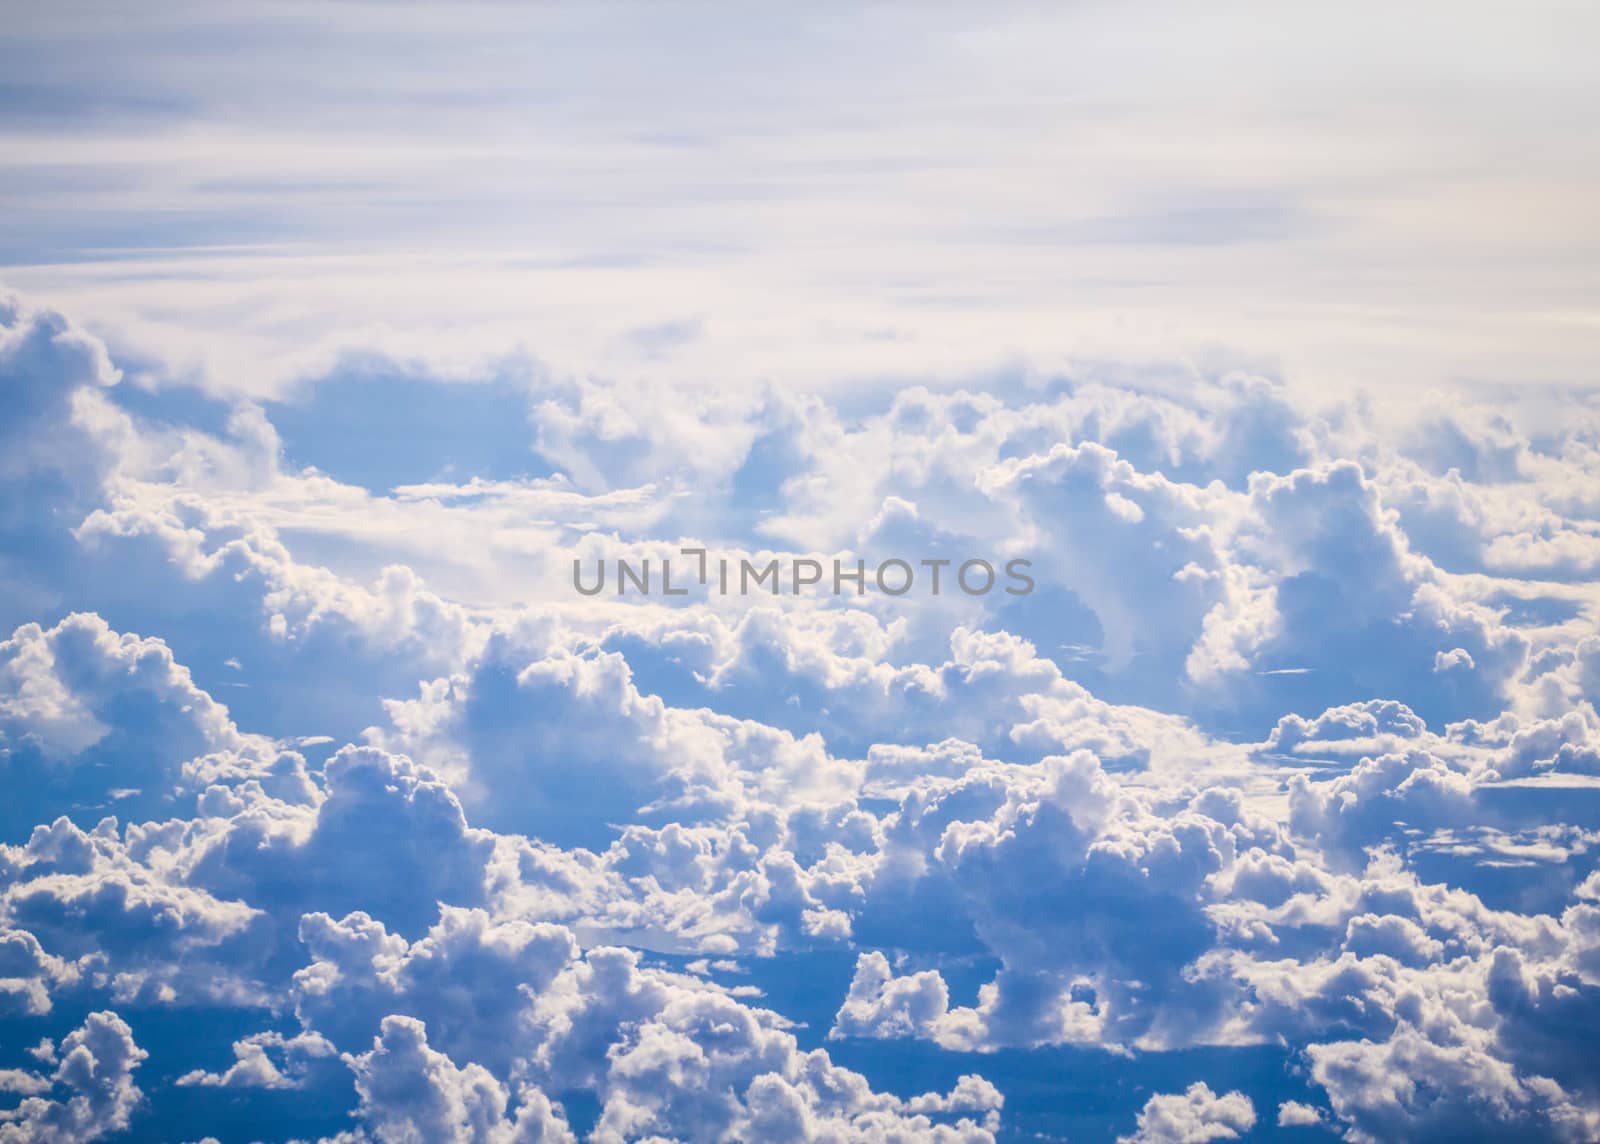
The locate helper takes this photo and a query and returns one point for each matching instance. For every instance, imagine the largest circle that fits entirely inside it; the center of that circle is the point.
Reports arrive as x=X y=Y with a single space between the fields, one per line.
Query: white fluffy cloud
x=90 y=1095
x=1192 y=1117
x=1294 y=750
x=411 y=1092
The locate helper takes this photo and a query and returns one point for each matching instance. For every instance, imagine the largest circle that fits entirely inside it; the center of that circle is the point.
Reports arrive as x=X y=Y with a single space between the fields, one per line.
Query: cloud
x=1294 y=1114
x=476 y=1011
x=28 y=975
x=467 y=978
x=688 y=1060
x=58 y=689
x=1290 y=757
x=254 y=1066
x=1196 y=1115
x=1375 y=1088
x=411 y=1092
x=93 y=1091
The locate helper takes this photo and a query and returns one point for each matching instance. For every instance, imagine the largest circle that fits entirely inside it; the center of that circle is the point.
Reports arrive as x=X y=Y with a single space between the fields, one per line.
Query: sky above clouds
x=244 y=195
x=331 y=337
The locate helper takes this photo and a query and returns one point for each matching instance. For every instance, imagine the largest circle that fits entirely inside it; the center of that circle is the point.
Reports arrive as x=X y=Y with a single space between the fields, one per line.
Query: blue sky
x=332 y=337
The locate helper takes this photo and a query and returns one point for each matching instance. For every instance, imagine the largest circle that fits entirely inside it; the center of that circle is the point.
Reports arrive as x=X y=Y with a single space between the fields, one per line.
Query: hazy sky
x=822 y=195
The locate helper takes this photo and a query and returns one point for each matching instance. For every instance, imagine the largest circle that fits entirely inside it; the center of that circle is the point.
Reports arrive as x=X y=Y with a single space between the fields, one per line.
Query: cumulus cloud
x=1294 y=752
x=90 y=1095
x=65 y=748
x=254 y=1066
x=1193 y=1116
x=411 y=1092
x=1294 y=1114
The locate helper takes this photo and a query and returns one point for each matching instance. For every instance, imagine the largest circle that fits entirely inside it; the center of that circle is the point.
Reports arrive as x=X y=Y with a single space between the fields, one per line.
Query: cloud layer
x=333 y=812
